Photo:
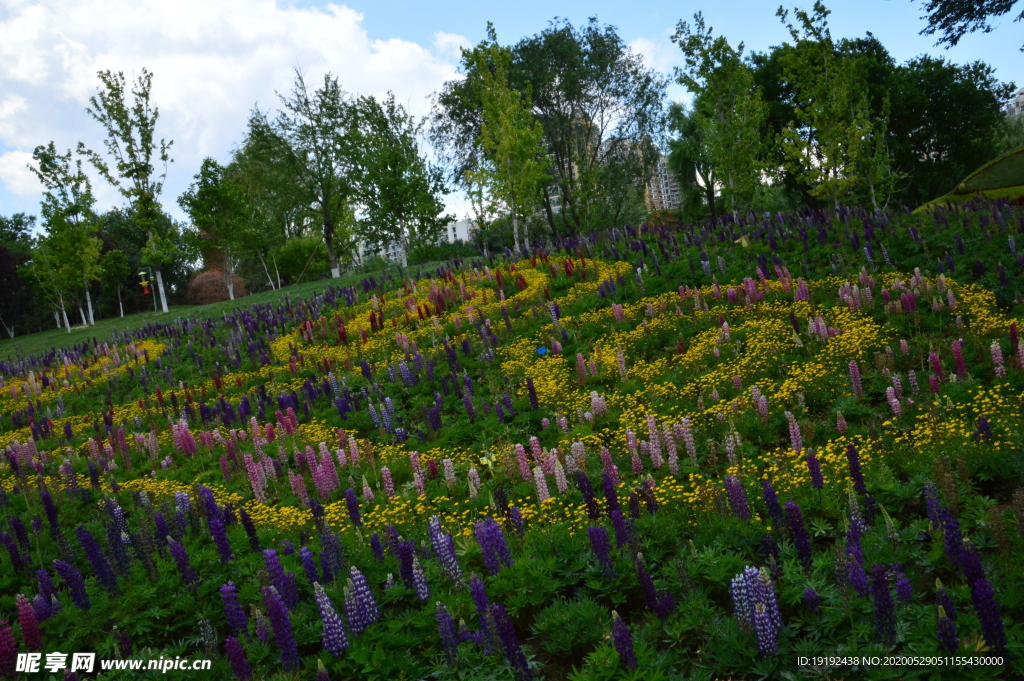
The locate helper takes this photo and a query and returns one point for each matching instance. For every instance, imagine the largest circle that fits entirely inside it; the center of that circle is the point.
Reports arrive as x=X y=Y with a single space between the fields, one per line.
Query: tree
x=834 y=142
x=17 y=304
x=131 y=143
x=69 y=219
x=398 y=191
x=115 y=273
x=316 y=138
x=953 y=19
x=728 y=110
x=688 y=160
x=601 y=112
x=214 y=206
x=514 y=171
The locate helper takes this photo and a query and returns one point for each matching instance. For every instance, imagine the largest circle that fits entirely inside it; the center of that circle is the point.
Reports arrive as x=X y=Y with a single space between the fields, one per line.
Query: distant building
x=1016 y=106
x=663 y=190
x=461 y=230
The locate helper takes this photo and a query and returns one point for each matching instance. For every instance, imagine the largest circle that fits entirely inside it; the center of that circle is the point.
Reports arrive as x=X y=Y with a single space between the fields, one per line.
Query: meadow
x=701 y=451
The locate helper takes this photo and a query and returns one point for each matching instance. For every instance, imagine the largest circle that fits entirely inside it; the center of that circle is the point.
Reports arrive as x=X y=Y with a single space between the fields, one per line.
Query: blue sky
x=213 y=61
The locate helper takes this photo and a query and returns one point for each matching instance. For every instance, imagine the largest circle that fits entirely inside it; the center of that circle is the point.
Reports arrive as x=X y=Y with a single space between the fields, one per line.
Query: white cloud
x=450 y=44
x=212 y=62
x=14 y=173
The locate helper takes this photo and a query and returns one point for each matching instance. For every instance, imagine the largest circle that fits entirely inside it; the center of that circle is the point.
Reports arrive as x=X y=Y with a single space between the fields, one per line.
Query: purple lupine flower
x=250 y=529
x=737 y=497
x=180 y=556
x=233 y=612
x=855 y=474
x=622 y=533
x=360 y=606
x=587 y=491
x=984 y=600
x=647 y=587
x=515 y=519
x=799 y=533
x=308 y=564
x=904 y=590
x=492 y=545
x=419 y=580
x=858 y=578
x=611 y=495
x=406 y=551
x=97 y=560
x=513 y=650
x=76 y=585
x=277 y=613
x=958 y=358
x=283 y=581
x=377 y=547
x=885 y=609
x=446 y=630
x=8 y=650
x=812 y=600
x=335 y=641
x=220 y=538
x=444 y=548
x=599 y=544
x=954 y=542
x=534 y=404
x=236 y=656
x=352 y=502
x=945 y=628
x=771 y=501
x=623 y=641
x=931 y=502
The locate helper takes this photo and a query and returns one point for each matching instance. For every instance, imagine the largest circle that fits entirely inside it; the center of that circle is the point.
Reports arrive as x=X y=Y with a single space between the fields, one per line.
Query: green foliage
x=302 y=259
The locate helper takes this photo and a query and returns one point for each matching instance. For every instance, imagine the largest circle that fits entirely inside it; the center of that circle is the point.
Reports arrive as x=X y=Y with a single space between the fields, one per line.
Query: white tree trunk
x=276 y=270
x=404 y=247
x=88 y=303
x=163 y=295
x=269 y=278
x=119 y=303
x=81 y=313
x=515 y=226
x=56 y=316
x=229 y=281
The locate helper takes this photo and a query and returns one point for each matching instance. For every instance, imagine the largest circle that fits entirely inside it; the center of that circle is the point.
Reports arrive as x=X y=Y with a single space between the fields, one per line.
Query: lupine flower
x=513 y=650
x=220 y=538
x=250 y=529
x=233 y=612
x=795 y=436
x=29 y=625
x=444 y=548
x=277 y=613
x=335 y=641
x=492 y=544
x=236 y=656
x=534 y=404
x=360 y=606
x=446 y=630
x=76 y=585
x=96 y=558
x=858 y=578
x=945 y=629
x=814 y=469
x=282 y=580
x=352 y=502
x=958 y=358
x=622 y=533
x=885 y=609
x=542 y=486
x=984 y=600
x=812 y=601
x=855 y=380
x=855 y=474
x=611 y=495
x=419 y=580
x=771 y=501
x=602 y=550
x=799 y=533
x=737 y=497
x=8 y=650
x=587 y=491
x=309 y=564
x=524 y=462
x=904 y=590
x=623 y=642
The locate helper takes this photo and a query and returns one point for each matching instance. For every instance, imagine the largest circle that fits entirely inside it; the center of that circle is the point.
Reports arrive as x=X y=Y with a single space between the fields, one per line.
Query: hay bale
x=209 y=287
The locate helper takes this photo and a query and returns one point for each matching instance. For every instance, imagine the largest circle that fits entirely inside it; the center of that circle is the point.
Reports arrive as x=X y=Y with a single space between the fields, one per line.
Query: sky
x=214 y=61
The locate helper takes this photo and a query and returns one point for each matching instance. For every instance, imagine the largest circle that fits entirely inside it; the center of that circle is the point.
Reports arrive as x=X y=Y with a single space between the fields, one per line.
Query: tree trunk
x=88 y=303
x=269 y=278
x=163 y=295
x=403 y=244
x=276 y=270
x=332 y=256
x=229 y=281
x=119 y=303
x=64 y=311
x=515 y=226
x=56 y=316
x=81 y=313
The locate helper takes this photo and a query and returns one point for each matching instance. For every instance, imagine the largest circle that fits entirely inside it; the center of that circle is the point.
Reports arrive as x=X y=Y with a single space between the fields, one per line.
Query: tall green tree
x=70 y=222
x=601 y=111
x=953 y=19
x=115 y=274
x=515 y=168
x=131 y=143
x=689 y=162
x=215 y=208
x=728 y=109
x=316 y=138
x=399 y=192
x=18 y=306
x=835 y=141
